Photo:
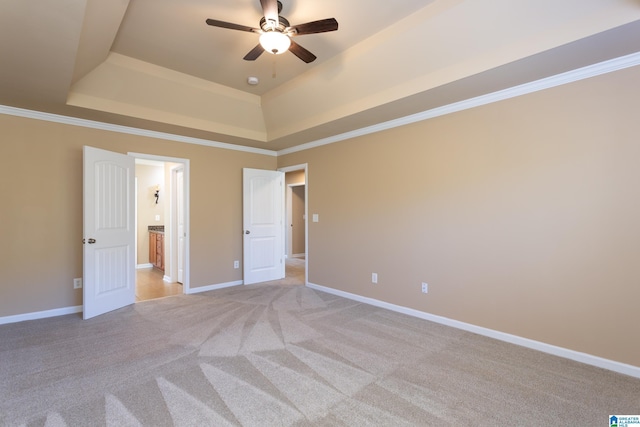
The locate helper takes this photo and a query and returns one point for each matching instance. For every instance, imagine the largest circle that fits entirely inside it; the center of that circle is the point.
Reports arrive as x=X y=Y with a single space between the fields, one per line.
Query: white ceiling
x=155 y=64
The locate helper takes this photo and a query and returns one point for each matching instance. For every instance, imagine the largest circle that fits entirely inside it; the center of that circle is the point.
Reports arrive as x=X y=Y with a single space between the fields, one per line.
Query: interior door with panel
x=263 y=223
x=108 y=230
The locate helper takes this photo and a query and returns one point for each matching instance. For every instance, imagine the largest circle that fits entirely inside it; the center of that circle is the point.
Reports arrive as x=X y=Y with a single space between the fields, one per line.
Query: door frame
x=172 y=236
x=294 y=168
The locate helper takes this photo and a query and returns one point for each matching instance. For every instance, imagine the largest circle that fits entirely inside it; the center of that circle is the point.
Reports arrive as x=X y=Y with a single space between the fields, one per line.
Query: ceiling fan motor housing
x=283 y=24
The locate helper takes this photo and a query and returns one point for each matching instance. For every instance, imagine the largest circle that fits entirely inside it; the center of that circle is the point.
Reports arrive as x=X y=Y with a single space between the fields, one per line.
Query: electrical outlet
x=77 y=283
x=425 y=287
x=236 y=264
x=374 y=277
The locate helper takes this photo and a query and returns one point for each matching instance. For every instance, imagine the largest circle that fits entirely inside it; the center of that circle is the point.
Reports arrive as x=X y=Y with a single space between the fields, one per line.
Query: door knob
x=247 y=232
x=92 y=241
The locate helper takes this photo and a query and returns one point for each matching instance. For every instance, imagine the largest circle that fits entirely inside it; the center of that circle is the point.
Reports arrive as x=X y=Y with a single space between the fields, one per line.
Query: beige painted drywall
x=41 y=209
x=521 y=215
x=294 y=177
x=148 y=178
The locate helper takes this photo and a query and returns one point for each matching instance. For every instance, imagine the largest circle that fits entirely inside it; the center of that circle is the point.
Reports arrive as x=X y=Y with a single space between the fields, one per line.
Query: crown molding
x=56 y=118
x=578 y=74
x=594 y=70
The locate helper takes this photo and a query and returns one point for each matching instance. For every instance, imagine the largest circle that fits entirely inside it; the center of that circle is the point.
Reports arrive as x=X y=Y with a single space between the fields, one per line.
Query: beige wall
x=294 y=177
x=148 y=177
x=523 y=216
x=41 y=209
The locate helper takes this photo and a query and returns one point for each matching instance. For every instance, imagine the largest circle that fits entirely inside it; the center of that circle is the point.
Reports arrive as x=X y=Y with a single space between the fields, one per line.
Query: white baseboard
x=633 y=371
x=40 y=314
x=78 y=309
x=148 y=265
x=611 y=365
x=214 y=287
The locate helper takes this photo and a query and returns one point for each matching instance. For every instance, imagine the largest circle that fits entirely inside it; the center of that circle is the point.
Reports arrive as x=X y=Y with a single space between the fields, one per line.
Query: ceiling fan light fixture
x=275 y=42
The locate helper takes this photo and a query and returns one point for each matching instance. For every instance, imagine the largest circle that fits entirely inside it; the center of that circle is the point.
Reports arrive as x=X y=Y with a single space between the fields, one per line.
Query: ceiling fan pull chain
x=273 y=74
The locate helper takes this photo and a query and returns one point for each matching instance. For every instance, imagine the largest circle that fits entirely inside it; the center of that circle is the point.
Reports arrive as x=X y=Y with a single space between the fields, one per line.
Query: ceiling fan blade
x=270 y=11
x=301 y=52
x=254 y=53
x=322 y=26
x=229 y=25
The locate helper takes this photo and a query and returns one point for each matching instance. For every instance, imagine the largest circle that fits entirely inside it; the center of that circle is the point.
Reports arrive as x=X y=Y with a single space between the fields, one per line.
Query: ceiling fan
x=276 y=32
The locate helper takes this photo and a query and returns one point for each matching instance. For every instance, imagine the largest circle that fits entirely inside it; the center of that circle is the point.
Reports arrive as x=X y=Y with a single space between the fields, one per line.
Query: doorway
x=296 y=230
x=161 y=226
x=296 y=237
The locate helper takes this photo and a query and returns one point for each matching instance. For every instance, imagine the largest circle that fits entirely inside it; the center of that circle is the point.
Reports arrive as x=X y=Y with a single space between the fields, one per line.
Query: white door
x=263 y=210
x=109 y=231
x=180 y=221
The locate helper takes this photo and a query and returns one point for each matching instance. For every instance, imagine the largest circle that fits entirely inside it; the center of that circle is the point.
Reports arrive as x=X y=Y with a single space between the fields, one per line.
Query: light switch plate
x=316 y=218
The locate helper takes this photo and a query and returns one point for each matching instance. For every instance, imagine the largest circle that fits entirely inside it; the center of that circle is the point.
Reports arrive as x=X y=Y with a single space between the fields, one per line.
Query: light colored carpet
x=283 y=355
x=294 y=268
